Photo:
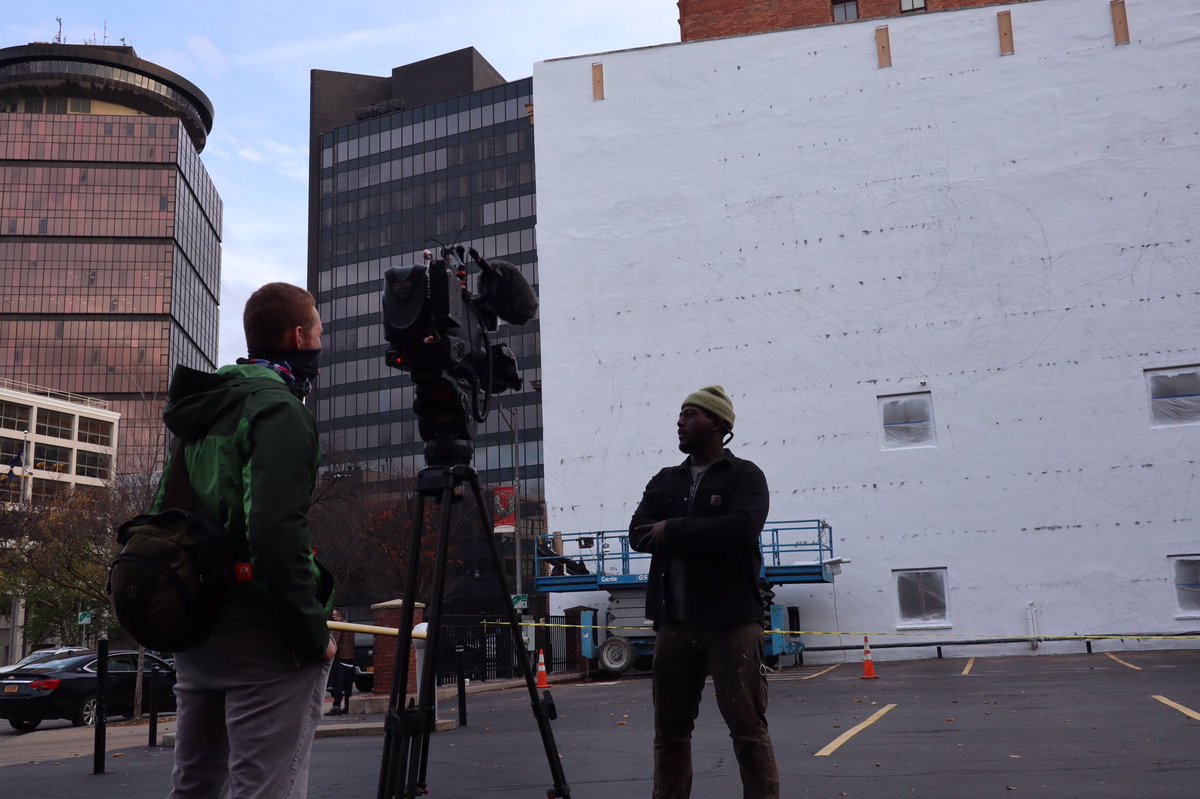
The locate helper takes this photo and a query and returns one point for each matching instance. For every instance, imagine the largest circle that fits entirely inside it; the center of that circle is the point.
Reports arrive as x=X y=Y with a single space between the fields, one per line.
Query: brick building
x=710 y=19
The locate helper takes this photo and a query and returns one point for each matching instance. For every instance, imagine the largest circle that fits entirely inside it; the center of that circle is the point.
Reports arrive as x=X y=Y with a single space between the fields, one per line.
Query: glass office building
x=109 y=232
x=441 y=152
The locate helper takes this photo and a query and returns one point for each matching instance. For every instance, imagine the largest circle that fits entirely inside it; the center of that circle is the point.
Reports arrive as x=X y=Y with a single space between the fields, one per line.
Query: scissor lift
x=794 y=552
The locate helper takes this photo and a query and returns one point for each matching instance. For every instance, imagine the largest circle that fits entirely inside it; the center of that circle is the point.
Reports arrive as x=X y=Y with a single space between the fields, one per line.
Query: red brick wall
x=387 y=614
x=709 y=19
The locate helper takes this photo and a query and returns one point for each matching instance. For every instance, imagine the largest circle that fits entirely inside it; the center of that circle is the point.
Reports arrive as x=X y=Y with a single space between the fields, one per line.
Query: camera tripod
x=402 y=773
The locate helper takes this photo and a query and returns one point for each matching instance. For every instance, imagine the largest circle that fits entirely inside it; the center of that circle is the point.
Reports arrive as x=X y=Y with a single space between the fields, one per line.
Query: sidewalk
x=365 y=719
x=367 y=710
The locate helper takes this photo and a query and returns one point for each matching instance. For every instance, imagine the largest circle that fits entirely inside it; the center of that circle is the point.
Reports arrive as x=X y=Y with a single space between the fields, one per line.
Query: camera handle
x=402 y=773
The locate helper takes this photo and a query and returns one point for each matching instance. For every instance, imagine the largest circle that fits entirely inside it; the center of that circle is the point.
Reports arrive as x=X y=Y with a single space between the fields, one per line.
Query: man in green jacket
x=249 y=697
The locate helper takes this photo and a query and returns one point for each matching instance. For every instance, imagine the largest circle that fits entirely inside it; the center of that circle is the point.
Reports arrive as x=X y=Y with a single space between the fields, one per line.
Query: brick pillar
x=387 y=614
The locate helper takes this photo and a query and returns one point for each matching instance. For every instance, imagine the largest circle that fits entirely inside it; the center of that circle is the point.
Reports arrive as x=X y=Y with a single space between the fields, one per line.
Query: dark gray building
x=110 y=232
x=439 y=151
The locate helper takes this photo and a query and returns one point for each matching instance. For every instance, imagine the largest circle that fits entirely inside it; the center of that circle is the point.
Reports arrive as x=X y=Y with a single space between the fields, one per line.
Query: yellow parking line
x=836 y=743
x=1122 y=662
x=823 y=671
x=1187 y=711
x=967 y=670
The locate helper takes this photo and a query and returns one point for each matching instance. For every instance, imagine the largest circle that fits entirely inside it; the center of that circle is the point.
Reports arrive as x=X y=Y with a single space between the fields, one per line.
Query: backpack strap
x=179 y=493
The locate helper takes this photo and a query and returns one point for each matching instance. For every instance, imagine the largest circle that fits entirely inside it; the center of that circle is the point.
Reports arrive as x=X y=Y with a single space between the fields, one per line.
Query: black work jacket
x=715 y=537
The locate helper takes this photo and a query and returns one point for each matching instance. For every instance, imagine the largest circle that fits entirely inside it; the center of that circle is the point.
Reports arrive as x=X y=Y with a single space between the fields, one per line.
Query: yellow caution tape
x=373 y=629
x=877 y=634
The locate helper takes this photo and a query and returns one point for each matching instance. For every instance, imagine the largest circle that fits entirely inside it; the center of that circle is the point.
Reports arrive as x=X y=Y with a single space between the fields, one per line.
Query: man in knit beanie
x=701 y=522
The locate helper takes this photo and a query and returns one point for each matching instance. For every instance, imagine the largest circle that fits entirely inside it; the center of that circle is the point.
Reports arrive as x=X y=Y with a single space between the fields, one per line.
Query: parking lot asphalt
x=1123 y=724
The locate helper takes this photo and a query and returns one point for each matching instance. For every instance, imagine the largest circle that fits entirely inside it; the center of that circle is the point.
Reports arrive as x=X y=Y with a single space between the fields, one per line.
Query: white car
x=44 y=654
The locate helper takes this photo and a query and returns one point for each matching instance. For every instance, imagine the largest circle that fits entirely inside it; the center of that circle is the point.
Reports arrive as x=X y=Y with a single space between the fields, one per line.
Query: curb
x=376 y=705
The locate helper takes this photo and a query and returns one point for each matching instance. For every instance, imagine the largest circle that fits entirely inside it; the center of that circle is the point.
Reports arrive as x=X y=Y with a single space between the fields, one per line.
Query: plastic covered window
x=1174 y=395
x=907 y=421
x=1187 y=585
x=922 y=597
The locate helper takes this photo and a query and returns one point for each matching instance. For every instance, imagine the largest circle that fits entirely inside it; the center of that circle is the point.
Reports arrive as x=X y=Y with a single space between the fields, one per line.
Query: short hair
x=273 y=310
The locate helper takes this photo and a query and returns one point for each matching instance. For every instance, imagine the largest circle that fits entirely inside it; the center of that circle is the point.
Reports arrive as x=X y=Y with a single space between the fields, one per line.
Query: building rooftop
x=108 y=73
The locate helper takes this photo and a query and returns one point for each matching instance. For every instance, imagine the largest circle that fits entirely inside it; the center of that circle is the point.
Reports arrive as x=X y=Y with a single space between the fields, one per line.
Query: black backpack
x=174 y=570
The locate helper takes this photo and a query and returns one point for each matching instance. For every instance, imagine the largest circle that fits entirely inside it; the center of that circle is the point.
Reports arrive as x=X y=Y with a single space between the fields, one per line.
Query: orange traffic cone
x=868 y=663
x=542 y=681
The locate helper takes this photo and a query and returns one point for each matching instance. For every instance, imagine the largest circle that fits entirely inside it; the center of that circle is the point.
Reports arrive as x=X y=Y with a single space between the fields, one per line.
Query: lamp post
x=510 y=419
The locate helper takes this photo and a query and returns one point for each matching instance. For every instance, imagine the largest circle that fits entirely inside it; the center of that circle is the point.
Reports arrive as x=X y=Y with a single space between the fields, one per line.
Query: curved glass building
x=110 y=231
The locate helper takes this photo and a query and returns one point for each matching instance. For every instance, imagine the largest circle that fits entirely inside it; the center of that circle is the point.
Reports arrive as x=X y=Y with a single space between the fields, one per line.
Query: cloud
x=305 y=51
x=258 y=249
x=288 y=160
x=207 y=54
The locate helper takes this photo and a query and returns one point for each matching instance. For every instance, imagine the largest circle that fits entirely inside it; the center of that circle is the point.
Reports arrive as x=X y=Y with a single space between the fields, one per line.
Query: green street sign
x=85 y=617
x=520 y=601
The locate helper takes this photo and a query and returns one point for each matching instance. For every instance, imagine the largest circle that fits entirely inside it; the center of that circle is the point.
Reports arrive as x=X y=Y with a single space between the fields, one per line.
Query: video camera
x=437 y=331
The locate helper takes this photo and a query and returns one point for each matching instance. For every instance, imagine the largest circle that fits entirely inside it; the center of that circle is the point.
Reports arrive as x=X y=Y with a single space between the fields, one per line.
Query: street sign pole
x=85 y=618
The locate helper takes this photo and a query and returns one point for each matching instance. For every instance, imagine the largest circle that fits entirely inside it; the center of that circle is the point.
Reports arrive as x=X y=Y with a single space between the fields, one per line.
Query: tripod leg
x=541 y=706
x=396 y=741
x=427 y=690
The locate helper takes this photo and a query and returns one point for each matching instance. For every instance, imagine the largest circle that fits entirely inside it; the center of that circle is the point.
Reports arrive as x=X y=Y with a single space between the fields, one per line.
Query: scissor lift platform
x=794 y=552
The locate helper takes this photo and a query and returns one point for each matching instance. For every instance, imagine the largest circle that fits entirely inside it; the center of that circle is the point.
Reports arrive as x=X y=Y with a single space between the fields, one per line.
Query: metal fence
x=488 y=651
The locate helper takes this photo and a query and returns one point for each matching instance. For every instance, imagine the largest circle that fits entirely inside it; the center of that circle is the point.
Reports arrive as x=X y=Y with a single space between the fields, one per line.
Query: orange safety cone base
x=868 y=661
x=542 y=682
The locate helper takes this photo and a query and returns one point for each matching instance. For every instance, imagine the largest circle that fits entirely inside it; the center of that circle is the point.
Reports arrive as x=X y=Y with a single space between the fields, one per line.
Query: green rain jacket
x=252 y=455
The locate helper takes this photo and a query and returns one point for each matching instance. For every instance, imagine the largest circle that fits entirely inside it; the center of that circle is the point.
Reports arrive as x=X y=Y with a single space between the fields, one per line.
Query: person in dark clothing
x=701 y=522
x=342 y=672
x=249 y=696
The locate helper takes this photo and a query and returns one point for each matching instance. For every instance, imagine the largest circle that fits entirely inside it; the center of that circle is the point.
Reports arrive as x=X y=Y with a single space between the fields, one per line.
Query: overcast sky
x=253 y=62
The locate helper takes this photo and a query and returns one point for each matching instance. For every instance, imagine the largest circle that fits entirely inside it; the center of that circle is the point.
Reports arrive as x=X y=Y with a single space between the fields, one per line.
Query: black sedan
x=66 y=688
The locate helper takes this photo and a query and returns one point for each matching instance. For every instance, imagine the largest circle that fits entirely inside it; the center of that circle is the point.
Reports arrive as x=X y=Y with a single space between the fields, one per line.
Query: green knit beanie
x=714 y=400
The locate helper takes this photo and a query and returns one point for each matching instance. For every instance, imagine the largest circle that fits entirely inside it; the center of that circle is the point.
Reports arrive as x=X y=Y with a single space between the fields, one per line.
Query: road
x=1058 y=726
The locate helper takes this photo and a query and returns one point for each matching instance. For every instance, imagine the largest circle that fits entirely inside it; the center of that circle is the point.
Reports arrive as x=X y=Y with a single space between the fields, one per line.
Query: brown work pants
x=684 y=654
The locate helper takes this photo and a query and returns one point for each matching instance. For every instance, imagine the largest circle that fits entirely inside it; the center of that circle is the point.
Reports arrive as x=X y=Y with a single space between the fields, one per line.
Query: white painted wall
x=1017 y=235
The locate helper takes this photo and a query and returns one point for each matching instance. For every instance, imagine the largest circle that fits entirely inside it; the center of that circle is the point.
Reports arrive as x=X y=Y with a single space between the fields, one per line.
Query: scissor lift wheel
x=616 y=655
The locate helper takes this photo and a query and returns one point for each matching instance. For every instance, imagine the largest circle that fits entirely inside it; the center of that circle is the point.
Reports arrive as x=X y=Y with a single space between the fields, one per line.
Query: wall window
x=1174 y=395
x=51 y=458
x=907 y=420
x=55 y=424
x=845 y=10
x=92 y=464
x=94 y=431
x=10 y=450
x=1186 y=571
x=921 y=594
x=910 y=6
x=14 y=416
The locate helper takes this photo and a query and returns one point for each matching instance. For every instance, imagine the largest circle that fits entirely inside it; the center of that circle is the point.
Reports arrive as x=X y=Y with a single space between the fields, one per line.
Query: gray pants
x=247 y=712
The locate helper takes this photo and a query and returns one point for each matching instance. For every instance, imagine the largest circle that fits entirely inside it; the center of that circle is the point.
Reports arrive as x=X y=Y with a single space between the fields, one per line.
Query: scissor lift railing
x=794 y=551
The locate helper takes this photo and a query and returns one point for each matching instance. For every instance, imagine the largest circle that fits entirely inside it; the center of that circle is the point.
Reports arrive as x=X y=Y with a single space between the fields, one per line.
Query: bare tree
x=361 y=522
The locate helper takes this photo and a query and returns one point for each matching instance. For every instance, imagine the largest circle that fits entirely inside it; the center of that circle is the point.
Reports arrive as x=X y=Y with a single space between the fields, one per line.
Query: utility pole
x=511 y=421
